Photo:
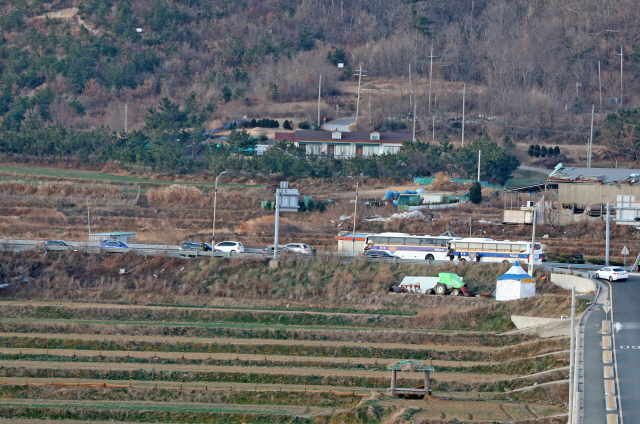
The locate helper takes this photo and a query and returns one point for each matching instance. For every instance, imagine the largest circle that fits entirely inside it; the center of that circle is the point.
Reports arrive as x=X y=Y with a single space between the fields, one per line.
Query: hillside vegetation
x=69 y=69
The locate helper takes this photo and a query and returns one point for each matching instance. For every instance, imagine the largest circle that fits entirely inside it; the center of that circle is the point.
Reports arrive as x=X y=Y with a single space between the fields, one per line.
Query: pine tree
x=475 y=193
x=531 y=149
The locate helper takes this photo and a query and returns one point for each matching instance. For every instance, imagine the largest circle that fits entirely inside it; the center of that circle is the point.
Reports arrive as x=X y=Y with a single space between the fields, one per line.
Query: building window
x=369 y=151
x=342 y=150
x=314 y=149
x=391 y=149
x=375 y=136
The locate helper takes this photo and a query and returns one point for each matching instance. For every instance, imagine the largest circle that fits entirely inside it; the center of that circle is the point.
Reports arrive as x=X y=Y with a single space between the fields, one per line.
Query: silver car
x=299 y=248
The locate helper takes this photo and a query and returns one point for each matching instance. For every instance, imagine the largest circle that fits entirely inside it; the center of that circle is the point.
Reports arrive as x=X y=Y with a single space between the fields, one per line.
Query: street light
x=215 y=201
x=355 y=212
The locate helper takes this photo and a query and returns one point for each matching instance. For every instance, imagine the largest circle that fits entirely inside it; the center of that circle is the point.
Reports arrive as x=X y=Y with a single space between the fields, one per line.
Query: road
x=534 y=169
x=625 y=311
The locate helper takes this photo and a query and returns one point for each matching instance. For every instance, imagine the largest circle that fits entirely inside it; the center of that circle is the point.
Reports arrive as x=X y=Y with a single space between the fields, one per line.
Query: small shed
x=124 y=236
x=515 y=284
x=410 y=365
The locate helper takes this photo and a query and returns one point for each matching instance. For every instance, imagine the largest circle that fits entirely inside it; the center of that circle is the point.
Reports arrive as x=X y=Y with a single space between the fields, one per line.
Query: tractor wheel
x=428 y=257
x=455 y=292
x=441 y=289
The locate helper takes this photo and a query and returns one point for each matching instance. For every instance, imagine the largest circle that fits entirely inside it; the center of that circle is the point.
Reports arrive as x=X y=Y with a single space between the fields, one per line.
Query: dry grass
x=62 y=189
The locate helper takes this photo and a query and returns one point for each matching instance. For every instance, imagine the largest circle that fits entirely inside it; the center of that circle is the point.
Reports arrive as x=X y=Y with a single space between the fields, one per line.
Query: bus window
x=538 y=246
x=475 y=246
x=425 y=242
x=489 y=247
x=461 y=246
x=396 y=240
x=523 y=248
x=381 y=240
x=504 y=247
x=412 y=241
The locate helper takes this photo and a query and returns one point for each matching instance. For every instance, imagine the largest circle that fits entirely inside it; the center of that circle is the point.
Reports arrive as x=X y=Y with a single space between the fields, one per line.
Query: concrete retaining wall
x=583 y=285
x=543 y=327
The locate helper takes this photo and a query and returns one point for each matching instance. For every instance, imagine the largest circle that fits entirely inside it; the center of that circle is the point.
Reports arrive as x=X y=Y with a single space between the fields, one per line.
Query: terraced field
x=97 y=362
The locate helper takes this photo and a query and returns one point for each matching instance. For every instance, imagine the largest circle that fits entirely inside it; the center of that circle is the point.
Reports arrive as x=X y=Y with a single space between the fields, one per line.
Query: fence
x=428 y=181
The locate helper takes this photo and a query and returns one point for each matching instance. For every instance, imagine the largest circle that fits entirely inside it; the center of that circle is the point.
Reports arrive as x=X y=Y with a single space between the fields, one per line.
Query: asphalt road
x=626 y=313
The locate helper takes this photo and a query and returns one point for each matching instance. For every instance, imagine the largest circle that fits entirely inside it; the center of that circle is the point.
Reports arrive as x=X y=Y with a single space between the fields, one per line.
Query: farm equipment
x=444 y=283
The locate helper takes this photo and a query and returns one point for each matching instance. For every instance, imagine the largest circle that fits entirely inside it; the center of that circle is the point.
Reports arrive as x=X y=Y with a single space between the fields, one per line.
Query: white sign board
x=625 y=251
x=340 y=65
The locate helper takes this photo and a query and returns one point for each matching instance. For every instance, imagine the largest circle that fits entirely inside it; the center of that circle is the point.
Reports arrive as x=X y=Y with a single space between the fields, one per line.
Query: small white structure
x=126 y=237
x=515 y=284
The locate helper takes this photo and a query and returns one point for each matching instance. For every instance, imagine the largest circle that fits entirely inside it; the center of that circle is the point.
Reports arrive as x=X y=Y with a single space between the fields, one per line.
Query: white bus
x=495 y=251
x=406 y=246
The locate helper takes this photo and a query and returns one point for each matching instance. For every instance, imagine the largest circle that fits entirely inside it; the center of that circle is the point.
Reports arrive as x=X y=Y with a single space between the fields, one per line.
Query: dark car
x=269 y=250
x=114 y=244
x=57 y=245
x=381 y=254
x=194 y=245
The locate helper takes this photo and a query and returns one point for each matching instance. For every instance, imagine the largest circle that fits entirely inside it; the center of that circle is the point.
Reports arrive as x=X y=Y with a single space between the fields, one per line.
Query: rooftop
x=361 y=136
x=115 y=233
x=595 y=175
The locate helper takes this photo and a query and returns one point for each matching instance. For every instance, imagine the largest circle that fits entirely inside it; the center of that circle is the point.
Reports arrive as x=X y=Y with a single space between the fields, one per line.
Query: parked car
x=194 y=245
x=612 y=274
x=230 y=247
x=269 y=250
x=114 y=244
x=299 y=248
x=378 y=254
x=57 y=245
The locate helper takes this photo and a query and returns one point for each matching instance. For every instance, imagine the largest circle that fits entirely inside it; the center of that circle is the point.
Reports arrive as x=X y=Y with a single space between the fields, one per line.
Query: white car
x=612 y=274
x=298 y=248
x=230 y=247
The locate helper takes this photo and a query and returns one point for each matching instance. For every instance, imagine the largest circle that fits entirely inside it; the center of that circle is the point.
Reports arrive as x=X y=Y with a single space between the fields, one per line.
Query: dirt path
x=302 y=411
x=248 y=342
x=225 y=357
x=535 y=386
x=199 y=385
x=449 y=410
x=460 y=377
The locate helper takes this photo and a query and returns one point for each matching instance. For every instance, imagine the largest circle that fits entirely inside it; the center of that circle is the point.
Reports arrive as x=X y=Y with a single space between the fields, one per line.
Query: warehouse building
x=573 y=195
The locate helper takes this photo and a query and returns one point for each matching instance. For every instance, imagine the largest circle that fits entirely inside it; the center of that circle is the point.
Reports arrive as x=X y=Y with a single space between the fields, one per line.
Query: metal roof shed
x=124 y=236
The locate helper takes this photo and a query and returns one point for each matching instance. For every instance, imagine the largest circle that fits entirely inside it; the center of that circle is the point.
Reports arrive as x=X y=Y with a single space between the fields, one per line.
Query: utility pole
x=608 y=233
x=479 y=156
x=621 y=54
x=358 y=102
x=355 y=214
x=89 y=223
x=319 y=96
x=370 y=119
x=464 y=90
x=572 y=360
x=410 y=89
x=600 y=84
x=533 y=242
x=215 y=202
x=126 y=117
x=414 y=122
x=430 y=77
x=433 y=128
x=590 y=139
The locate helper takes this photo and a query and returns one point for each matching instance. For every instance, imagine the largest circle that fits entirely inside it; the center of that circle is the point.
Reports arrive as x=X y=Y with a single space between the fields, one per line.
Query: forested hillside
x=73 y=65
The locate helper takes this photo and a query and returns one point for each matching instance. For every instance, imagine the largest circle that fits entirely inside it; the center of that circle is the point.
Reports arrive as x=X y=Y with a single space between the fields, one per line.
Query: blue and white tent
x=515 y=284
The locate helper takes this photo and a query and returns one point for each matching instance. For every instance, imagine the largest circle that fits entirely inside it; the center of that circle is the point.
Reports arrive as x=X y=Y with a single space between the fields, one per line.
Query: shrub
x=543 y=151
x=556 y=151
x=475 y=193
x=286 y=125
x=536 y=151
x=531 y=150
